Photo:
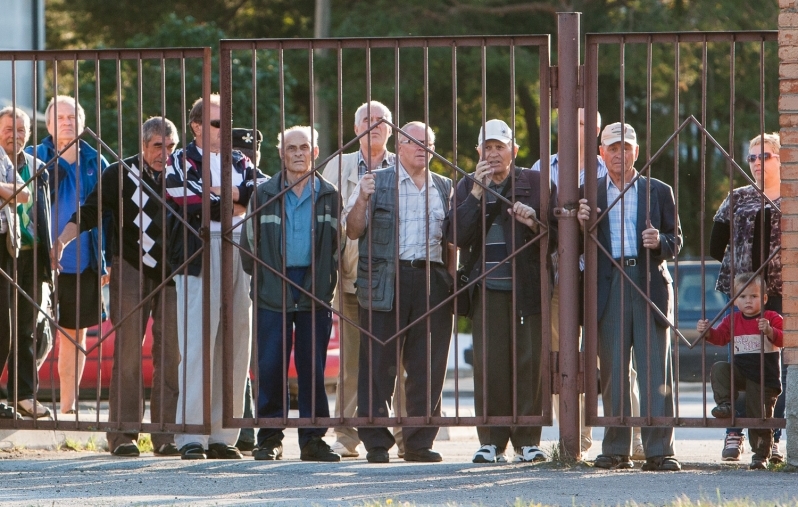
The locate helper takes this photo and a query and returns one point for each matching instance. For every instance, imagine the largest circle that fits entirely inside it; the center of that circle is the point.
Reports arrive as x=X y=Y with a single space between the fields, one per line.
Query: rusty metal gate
x=661 y=83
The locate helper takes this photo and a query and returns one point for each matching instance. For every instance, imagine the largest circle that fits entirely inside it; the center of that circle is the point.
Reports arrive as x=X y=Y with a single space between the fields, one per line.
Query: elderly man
x=187 y=190
x=33 y=265
x=137 y=216
x=345 y=171
x=554 y=175
x=74 y=169
x=419 y=216
x=308 y=206
x=641 y=231
x=507 y=228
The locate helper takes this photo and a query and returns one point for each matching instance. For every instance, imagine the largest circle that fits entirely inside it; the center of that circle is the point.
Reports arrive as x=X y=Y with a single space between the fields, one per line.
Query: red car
x=49 y=380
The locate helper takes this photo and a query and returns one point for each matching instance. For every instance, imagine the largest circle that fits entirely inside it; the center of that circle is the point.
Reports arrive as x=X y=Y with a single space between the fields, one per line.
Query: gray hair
x=18 y=113
x=66 y=99
x=159 y=126
x=311 y=133
x=195 y=114
x=363 y=110
x=420 y=124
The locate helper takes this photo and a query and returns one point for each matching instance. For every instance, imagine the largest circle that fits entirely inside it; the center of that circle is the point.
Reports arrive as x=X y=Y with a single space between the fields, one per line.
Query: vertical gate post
x=568 y=44
x=788 y=119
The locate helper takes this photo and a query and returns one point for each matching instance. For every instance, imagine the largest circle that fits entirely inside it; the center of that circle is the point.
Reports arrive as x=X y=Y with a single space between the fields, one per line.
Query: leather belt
x=627 y=261
x=419 y=264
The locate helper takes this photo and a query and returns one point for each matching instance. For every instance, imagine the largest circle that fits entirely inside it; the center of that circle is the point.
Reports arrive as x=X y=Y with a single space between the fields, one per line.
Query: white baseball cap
x=498 y=130
x=612 y=134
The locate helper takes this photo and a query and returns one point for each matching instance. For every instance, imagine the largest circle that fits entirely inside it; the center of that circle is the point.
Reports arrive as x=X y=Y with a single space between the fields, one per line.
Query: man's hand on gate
x=526 y=215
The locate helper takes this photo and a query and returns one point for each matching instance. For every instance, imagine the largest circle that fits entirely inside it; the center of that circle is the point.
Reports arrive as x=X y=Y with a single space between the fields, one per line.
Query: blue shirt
x=628 y=223
x=63 y=207
x=298 y=225
x=554 y=170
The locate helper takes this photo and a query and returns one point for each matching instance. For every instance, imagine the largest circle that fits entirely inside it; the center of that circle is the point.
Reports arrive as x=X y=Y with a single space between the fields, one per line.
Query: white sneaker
x=528 y=454
x=487 y=454
x=339 y=448
x=775 y=454
x=32 y=408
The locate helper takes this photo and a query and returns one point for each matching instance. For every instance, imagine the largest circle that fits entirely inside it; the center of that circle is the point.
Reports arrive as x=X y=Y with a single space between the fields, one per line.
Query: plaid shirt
x=415 y=218
x=388 y=160
x=629 y=225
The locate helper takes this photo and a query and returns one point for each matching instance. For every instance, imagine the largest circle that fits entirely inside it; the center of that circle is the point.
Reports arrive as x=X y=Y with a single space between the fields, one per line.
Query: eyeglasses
x=408 y=141
x=762 y=156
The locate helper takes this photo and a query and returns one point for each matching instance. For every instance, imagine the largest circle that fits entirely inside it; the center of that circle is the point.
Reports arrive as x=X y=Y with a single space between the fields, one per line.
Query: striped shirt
x=388 y=159
x=629 y=223
x=496 y=247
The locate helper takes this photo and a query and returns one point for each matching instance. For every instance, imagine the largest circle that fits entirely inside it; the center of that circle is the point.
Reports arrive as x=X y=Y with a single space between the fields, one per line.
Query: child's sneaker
x=733 y=446
x=722 y=411
x=775 y=454
x=758 y=462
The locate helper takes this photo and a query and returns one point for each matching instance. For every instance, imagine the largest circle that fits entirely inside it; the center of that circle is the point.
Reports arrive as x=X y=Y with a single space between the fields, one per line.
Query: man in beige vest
x=345 y=172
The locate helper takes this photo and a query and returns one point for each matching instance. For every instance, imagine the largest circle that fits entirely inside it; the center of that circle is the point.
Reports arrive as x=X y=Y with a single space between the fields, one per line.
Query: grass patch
x=70 y=445
x=145 y=442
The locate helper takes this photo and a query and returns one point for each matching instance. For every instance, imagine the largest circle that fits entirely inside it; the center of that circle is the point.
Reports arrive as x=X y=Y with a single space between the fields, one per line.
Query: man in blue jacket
x=74 y=168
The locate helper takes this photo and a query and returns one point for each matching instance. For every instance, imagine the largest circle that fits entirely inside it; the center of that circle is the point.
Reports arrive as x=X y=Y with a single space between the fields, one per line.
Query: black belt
x=419 y=264
x=627 y=261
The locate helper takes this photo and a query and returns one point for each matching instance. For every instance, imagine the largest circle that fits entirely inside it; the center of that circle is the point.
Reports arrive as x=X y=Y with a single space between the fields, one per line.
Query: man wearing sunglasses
x=187 y=191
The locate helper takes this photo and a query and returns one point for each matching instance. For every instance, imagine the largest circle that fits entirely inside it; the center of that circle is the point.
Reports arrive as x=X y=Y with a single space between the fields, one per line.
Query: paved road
x=82 y=478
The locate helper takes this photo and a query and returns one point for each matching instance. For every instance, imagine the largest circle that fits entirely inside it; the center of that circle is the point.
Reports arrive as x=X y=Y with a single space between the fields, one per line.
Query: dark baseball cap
x=243 y=139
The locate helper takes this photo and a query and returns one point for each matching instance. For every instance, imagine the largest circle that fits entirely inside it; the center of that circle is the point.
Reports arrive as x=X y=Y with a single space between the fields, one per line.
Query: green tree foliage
x=169 y=87
x=704 y=83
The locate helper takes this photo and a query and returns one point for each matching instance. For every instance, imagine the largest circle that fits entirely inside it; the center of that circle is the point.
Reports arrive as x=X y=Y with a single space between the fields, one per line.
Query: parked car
x=689 y=298
x=689 y=305
x=99 y=363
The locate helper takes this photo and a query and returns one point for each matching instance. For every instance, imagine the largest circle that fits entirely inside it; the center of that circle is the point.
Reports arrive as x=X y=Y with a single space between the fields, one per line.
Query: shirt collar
x=387 y=159
x=610 y=182
x=404 y=175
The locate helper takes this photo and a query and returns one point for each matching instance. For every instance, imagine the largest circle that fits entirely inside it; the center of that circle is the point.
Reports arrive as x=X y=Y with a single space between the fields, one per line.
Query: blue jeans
x=296 y=328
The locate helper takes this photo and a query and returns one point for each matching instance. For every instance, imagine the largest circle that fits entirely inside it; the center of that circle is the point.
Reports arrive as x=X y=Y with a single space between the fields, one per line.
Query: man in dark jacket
x=641 y=231
x=509 y=228
x=305 y=207
x=33 y=266
x=135 y=245
x=187 y=191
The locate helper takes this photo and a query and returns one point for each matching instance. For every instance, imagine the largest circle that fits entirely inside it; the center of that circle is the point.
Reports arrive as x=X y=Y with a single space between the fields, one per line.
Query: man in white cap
x=641 y=231
x=508 y=297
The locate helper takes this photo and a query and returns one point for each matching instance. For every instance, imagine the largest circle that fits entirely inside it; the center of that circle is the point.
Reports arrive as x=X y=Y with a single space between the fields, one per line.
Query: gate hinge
x=553 y=86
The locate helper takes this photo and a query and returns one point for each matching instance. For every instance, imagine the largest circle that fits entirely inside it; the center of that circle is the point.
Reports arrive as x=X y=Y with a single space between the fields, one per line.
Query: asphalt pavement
x=45 y=477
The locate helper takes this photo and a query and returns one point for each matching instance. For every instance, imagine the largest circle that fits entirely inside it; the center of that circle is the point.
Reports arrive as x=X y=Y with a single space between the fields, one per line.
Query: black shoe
x=318 y=450
x=613 y=462
x=722 y=411
x=758 y=462
x=245 y=445
x=167 y=450
x=223 y=451
x=661 y=464
x=7 y=412
x=269 y=450
x=377 y=455
x=128 y=450
x=193 y=450
x=426 y=455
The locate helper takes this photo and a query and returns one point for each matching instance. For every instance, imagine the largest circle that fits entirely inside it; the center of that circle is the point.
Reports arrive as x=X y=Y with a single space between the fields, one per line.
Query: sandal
x=192 y=451
x=223 y=451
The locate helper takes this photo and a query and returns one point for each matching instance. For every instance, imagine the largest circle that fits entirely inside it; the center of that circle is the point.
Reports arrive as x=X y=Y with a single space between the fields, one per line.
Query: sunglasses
x=762 y=156
x=215 y=123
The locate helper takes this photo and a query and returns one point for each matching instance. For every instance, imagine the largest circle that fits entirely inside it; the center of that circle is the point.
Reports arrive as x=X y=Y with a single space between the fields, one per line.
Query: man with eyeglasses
x=187 y=191
x=414 y=214
x=345 y=171
x=297 y=234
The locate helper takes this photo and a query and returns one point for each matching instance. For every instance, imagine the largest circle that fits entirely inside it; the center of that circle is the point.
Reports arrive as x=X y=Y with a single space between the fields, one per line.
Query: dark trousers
x=493 y=368
x=22 y=372
x=126 y=395
x=6 y=265
x=378 y=359
x=296 y=328
x=755 y=406
x=650 y=344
